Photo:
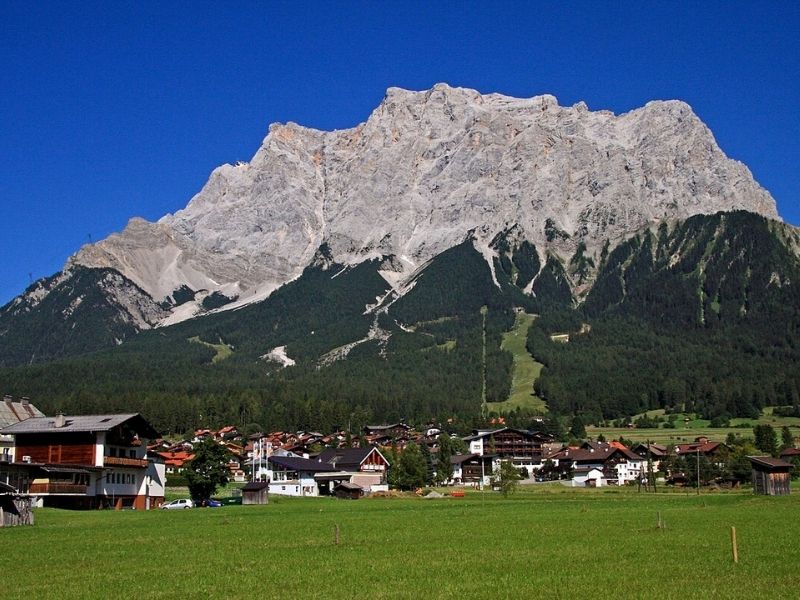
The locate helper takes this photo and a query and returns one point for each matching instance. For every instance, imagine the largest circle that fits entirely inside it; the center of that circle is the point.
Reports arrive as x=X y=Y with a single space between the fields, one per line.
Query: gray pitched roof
x=12 y=412
x=347 y=458
x=81 y=423
x=301 y=464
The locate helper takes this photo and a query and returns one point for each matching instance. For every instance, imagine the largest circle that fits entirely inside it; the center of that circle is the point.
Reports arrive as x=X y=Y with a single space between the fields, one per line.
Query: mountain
x=373 y=271
x=701 y=314
x=424 y=171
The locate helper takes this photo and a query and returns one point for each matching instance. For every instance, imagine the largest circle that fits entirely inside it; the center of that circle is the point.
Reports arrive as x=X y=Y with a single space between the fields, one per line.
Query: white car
x=175 y=504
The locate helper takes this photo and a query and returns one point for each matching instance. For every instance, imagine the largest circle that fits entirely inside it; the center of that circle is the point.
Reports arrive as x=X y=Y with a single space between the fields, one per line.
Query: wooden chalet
x=618 y=464
x=700 y=446
x=771 y=476
x=653 y=452
x=87 y=461
x=472 y=468
x=523 y=448
x=298 y=476
x=367 y=466
x=393 y=430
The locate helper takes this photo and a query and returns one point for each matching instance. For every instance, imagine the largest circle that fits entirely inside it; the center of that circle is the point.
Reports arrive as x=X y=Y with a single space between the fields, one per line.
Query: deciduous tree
x=506 y=478
x=207 y=470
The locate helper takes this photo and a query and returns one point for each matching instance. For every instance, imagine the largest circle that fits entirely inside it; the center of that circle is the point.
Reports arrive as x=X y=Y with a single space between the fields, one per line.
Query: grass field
x=546 y=542
x=525 y=370
x=687 y=432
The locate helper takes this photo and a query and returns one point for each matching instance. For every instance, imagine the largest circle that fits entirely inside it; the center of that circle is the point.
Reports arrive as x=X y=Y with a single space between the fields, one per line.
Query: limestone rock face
x=422 y=172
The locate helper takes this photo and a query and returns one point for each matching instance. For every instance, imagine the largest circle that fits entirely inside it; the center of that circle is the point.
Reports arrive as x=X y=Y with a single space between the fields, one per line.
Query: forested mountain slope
x=701 y=314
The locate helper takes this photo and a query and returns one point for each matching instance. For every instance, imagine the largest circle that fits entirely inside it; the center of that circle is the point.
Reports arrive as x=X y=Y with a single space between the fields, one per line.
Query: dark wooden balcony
x=119 y=461
x=57 y=488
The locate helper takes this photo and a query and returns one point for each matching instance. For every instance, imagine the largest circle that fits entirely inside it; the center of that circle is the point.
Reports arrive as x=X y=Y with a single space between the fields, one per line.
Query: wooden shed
x=348 y=490
x=770 y=475
x=255 y=492
x=14 y=508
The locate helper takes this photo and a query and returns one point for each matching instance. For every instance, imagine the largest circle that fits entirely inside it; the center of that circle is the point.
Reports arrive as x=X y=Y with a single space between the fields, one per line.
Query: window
x=112 y=451
x=132 y=453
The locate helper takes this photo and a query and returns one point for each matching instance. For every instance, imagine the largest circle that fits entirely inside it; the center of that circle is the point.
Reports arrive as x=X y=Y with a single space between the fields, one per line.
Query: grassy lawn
x=550 y=541
x=525 y=370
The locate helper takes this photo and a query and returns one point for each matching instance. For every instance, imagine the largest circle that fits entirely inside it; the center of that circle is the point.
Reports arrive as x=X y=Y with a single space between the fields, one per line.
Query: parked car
x=175 y=504
x=211 y=503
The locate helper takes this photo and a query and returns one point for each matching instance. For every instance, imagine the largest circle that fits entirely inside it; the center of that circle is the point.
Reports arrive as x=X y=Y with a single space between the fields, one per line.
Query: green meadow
x=525 y=370
x=688 y=428
x=543 y=542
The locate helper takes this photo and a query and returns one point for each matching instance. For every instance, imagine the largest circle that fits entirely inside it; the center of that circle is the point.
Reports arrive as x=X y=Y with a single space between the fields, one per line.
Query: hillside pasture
x=524 y=373
x=548 y=541
x=687 y=431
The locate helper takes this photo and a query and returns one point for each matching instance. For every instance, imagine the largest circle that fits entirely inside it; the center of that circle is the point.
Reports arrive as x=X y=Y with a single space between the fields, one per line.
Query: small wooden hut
x=348 y=490
x=256 y=492
x=770 y=475
x=14 y=509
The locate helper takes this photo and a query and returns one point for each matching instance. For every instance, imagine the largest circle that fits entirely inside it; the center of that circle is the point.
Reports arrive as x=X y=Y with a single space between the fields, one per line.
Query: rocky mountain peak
x=424 y=169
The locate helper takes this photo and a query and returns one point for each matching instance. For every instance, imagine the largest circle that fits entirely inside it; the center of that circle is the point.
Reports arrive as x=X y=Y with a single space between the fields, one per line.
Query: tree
x=506 y=478
x=444 y=470
x=787 y=439
x=393 y=456
x=207 y=470
x=738 y=464
x=412 y=468
x=578 y=429
x=765 y=439
x=426 y=454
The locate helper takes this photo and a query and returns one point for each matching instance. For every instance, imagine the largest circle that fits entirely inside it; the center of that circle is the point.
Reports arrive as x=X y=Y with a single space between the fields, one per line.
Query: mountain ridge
x=420 y=173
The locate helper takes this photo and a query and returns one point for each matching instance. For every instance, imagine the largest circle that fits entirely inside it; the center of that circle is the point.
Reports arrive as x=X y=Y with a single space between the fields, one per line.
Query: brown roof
x=599 y=453
x=255 y=486
x=457 y=459
x=770 y=463
x=349 y=486
x=702 y=448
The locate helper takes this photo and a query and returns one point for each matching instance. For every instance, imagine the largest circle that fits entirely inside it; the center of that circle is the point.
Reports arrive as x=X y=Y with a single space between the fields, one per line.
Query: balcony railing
x=57 y=488
x=119 y=461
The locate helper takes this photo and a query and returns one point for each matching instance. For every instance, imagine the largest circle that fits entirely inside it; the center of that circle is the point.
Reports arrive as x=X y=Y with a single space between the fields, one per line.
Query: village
x=120 y=461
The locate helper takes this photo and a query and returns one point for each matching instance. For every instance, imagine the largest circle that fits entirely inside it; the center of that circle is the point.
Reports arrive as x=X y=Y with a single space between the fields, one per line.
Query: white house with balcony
x=86 y=461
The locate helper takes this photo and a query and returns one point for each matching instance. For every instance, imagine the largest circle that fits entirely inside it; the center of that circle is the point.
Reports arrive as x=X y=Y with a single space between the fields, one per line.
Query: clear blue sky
x=111 y=110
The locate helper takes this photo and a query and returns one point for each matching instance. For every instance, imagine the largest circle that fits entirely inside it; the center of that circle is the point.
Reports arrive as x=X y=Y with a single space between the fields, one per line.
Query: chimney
x=59 y=421
x=26 y=405
x=9 y=401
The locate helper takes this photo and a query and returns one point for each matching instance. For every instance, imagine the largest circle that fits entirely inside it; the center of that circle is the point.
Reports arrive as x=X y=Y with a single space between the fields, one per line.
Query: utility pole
x=698 y=471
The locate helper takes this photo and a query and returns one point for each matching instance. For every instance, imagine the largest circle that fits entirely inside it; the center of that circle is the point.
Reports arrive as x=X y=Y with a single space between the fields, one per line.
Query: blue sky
x=117 y=109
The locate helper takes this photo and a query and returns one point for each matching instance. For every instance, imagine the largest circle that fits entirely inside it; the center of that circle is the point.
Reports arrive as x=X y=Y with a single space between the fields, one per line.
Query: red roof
x=176 y=459
x=702 y=448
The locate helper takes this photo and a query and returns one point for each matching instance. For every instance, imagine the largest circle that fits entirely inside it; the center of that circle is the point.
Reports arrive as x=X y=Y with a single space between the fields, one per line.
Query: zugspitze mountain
x=425 y=171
